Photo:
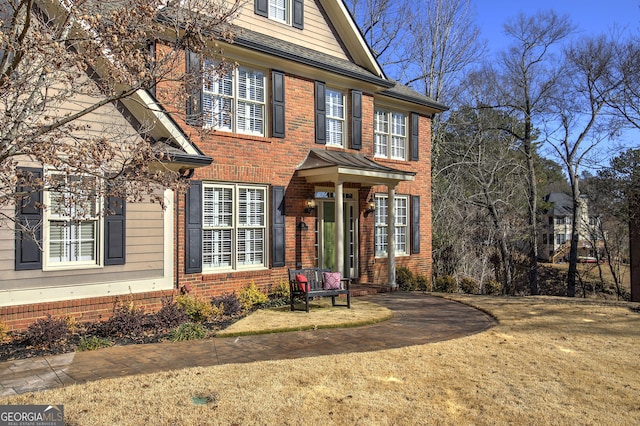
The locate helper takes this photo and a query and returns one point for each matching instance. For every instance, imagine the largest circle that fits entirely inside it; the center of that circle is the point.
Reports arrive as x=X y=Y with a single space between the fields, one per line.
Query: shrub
x=228 y=303
x=197 y=310
x=446 y=284
x=252 y=296
x=423 y=283
x=469 y=286
x=3 y=332
x=92 y=343
x=127 y=320
x=492 y=287
x=170 y=314
x=281 y=290
x=47 y=332
x=188 y=331
x=405 y=279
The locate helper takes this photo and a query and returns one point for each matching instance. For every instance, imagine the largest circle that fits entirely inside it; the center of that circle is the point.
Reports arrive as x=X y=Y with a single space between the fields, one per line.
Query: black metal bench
x=314 y=287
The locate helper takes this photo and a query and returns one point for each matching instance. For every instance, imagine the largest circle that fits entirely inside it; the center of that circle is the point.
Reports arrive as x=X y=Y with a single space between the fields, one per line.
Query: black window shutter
x=277 y=82
x=261 y=7
x=297 y=20
x=115 y=231
x=29 y=214
x=415 y=224
x=194 y=89
x=277 y=227
x=321 y=113
x=356 y=119
x=415 y=136
x=193 y=229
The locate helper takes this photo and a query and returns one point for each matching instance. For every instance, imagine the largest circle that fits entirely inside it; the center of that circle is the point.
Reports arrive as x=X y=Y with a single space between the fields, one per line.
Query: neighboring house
x=78 y=263
x=556 y=236
x=318 y=160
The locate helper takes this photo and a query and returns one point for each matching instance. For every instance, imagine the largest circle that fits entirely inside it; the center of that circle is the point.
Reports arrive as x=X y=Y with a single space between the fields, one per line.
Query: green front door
x=327 y=237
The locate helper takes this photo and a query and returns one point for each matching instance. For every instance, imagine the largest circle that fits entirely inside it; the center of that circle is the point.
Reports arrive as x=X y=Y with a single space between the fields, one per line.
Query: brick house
x=318 y=159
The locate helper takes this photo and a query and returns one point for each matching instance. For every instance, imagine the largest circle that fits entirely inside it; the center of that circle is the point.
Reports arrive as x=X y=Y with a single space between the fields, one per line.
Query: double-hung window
x=234 y=101
x=72 y=226
x=401 y=209
x=390 y=134
x=234 y=226
x=279 y=10
x=335 y=117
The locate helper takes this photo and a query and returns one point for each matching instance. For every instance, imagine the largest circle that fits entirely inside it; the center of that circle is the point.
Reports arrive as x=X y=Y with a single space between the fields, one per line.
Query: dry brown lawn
x=548 y=361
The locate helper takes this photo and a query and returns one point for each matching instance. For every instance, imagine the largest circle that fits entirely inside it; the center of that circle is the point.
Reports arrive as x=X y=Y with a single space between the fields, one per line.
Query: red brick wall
x=239 y=158
x=82 y=310
x=269 y=161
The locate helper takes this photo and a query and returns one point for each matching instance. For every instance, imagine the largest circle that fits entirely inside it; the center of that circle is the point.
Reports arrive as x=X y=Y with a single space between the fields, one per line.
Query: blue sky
x=590 y=16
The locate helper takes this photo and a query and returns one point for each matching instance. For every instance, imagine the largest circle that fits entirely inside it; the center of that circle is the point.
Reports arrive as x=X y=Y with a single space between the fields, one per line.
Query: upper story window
x=234 y=226
x=390 y=130
x=72 y=225
x=560 y=220
x=235 y=101
x=289 y=12
x=335 y=117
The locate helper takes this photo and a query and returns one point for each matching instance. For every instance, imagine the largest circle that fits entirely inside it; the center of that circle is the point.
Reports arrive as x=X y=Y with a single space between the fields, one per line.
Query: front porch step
x=362 y=289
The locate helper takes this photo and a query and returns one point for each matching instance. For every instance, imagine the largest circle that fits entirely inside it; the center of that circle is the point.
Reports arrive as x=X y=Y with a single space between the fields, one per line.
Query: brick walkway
x=418 y=319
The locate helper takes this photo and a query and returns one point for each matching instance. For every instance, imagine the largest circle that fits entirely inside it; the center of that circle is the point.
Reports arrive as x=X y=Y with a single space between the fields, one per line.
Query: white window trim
x=235 y=227
x=209 y=122
x=48 y=265
x=342 y=120
x=389 y=133
x=287 y=13
x=382 y=199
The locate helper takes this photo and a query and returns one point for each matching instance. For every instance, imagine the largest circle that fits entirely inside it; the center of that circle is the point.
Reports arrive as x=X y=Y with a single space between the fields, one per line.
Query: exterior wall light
x=371 y=207
x=310 y=205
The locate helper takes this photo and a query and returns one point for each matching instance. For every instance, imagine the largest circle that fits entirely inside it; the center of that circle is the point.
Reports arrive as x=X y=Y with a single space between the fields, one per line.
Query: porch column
x=339 y=236
x=391 y=236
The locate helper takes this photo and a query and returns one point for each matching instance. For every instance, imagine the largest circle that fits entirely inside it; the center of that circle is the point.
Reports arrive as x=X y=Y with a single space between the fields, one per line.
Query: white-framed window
x=560 y=220
x=390 y=134
x=335 y=117
x=234 y=226
x=235 y=101
x=561 y=238
x=401 y=208
x=72 y=225
x=279 y=10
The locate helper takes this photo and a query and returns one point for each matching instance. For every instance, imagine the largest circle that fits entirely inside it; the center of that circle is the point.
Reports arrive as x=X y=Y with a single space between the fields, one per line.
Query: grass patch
x=321 y=315
x=548 y=361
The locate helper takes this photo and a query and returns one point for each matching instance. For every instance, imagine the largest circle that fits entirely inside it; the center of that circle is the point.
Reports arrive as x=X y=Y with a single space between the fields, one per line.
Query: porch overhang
x=344 y=167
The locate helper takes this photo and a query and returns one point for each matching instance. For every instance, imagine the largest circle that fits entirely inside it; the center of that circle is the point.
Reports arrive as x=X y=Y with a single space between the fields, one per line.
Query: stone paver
x=418 y=319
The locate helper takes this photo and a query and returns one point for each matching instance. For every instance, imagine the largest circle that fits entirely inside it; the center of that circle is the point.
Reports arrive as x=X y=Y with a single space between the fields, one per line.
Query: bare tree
x=383 y=25
x=486 y=162
x=528 y=74
x=90 y=54
x=445 y=43
x=584 y=120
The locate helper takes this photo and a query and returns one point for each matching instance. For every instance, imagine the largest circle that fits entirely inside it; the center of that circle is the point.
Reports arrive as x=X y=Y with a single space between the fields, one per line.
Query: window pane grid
x=401 y=209
x=234 y=101
x=234 y=226
x=278 y=10
x=335 y=117
x=390 y=130
x=72 y=219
